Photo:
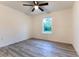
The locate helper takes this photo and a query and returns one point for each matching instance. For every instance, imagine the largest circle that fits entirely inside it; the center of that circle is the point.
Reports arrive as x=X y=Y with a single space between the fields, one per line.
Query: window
x=47 y=25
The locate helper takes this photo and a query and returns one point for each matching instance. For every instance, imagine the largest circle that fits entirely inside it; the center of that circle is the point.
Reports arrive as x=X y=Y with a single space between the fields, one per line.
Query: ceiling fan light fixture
x=36 y=7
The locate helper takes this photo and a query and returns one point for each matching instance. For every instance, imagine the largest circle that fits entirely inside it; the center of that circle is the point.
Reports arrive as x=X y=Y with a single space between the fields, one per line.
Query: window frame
x=49 y=32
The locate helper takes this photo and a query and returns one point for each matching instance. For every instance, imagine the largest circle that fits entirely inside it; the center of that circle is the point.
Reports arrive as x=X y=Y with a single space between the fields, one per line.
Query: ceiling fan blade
x=33 y=9
x=41 y=9
x=34 y=2
x=43 y=4
x=37 y=2
x=27 y=5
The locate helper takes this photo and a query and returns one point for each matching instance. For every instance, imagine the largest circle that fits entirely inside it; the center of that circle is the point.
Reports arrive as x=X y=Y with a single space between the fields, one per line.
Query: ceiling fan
x=36 y=5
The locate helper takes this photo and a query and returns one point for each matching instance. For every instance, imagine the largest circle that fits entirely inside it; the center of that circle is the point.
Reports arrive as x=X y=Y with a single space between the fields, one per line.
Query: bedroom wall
x=14 y=26
x=76 y=26
x=62 y=21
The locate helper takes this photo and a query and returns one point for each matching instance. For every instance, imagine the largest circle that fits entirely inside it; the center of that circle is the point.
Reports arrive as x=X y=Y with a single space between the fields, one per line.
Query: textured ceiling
x=52 y=6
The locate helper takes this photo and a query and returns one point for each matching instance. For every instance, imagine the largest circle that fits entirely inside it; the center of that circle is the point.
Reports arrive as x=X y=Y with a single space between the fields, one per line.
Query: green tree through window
x=47 y=25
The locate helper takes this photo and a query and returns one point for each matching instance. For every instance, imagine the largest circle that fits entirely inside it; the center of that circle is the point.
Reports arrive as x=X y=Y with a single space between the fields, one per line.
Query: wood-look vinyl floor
x=38 y=48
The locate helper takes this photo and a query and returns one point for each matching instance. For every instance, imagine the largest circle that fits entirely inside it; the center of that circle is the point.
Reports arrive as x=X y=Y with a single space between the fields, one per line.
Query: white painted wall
x=62 y=21
x=14 y=26
x=76 y=26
